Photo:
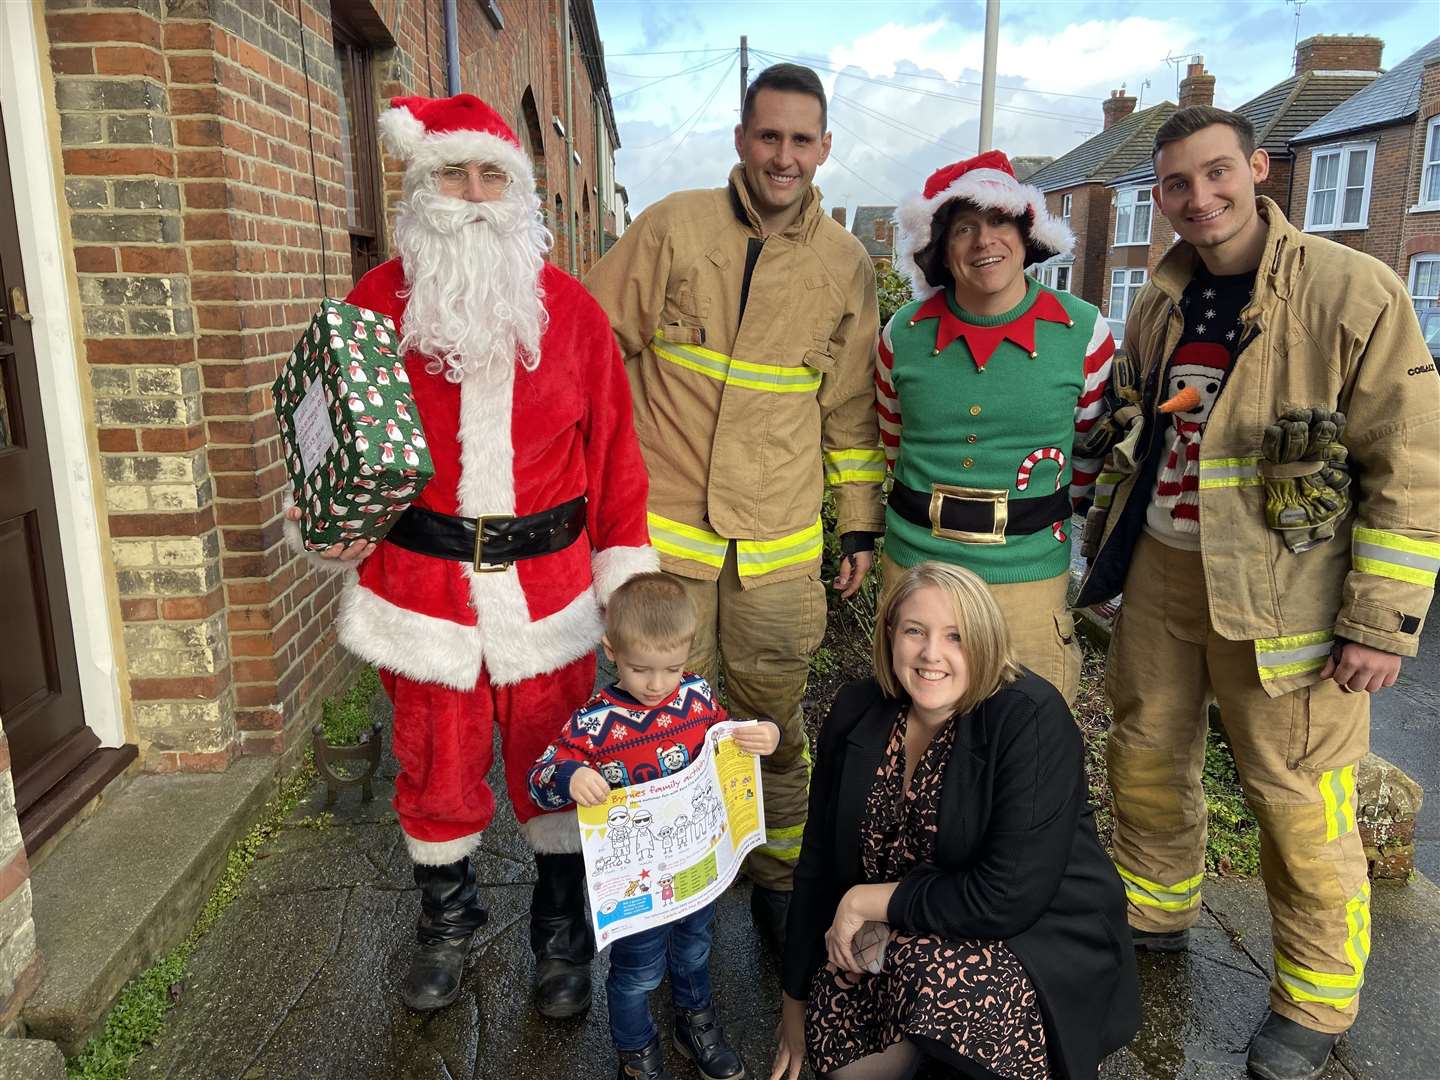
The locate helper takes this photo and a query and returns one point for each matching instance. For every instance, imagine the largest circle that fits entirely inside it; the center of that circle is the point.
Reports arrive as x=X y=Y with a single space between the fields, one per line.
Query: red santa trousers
x=444 y=742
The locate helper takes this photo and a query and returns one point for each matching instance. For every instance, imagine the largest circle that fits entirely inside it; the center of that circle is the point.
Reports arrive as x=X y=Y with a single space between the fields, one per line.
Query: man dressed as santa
x=482 y=605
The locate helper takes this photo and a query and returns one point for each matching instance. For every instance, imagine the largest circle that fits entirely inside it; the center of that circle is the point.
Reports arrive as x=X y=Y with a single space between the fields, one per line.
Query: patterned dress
x=970 y=996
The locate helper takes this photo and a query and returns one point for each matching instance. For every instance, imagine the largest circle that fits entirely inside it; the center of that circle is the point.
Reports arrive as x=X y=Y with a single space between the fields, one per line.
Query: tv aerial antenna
x=1294 y=46
x=1177 y=62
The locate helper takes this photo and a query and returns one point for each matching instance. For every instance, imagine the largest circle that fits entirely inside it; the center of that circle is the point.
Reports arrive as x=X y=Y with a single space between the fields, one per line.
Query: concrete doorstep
x=127 y=886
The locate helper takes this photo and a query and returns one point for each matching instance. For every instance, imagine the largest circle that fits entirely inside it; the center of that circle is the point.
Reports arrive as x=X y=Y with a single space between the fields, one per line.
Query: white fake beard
x=473 y=280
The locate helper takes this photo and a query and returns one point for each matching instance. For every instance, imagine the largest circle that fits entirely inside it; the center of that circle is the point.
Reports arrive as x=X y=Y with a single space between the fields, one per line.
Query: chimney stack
x=1338 y=52
x=838 y=213
x=1198 y=86
x=1117 y=106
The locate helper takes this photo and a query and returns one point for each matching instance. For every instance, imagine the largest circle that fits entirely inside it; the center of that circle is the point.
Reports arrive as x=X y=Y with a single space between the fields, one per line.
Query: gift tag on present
x=355 y=447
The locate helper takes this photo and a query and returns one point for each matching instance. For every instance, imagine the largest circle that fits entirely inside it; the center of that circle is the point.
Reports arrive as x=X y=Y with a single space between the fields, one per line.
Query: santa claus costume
x=526 y=410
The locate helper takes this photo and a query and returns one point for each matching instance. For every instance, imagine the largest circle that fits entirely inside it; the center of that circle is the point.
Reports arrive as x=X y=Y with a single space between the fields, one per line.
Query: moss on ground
x=140 y=1012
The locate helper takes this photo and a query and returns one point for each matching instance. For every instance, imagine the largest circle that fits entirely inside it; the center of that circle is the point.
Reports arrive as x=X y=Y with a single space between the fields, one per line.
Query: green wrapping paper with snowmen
x=354 y=445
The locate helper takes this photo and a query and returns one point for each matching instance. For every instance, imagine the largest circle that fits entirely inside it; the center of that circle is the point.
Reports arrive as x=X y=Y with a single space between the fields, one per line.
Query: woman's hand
x=588 y=787
x=789 y=1040
x=353 y=552
x=859 y=905
x=761 y=737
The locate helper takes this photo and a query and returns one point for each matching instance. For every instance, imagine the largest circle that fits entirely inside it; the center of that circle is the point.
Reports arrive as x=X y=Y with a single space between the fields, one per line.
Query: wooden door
x=40 y=703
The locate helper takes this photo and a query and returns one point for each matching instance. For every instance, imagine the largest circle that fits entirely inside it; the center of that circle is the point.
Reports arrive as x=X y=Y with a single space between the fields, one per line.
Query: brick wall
x=1421 y=229
x=19 y=961
x=203 y=175
x=1391 y=183
x=1089 y=207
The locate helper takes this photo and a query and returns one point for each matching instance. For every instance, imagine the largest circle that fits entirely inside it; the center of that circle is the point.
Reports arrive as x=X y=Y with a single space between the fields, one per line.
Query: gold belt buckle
x=998 y=498
x=480 y=565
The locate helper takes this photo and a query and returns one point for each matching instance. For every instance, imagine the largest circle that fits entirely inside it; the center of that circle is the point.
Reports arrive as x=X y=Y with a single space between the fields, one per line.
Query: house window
x=1425 y=279
x=359 y=152
x=1132 y=216
x=1339 y=187
x=1062 y=276
x=1065 y=202
x=1124 y=287
x=1430 y=173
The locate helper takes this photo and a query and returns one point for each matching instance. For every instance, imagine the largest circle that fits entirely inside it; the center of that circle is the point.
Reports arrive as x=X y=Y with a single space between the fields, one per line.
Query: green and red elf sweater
x=992 y=402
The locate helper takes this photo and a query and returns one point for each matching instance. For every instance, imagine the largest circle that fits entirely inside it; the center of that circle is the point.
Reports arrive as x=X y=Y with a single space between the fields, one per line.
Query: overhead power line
x=872 y=147
x=869 y=183
x=691 y=122
x=901 y=125
x=955 y=82
x=673 y=75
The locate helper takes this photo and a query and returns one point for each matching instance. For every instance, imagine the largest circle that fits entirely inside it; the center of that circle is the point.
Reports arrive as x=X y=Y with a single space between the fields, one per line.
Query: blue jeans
x=637 y=965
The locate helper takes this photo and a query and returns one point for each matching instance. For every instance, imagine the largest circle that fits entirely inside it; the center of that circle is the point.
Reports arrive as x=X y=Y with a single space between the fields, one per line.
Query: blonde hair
x=984 y=634
x=649 y=610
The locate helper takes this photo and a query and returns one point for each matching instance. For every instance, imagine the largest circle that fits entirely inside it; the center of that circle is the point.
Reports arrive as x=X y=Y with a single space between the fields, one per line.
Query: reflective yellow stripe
x=1105 y=485
x=855 y=466
x=783 y=843
x=1230 y=472
x=756 y=557
x=1388 y=554
x=1337 y=790
x=686 y=541
x=1328 y=987
x=767 y=377
x=1299 y=654
x=1178 y=897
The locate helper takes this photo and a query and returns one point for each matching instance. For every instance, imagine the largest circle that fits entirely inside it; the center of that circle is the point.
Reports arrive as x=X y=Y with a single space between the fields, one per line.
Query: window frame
x=1416 y=261
x=1342 y=151
x=1129 y=198
x=1066 y=206
x=367 y=230
x=1429 y=159
x=1130 y=288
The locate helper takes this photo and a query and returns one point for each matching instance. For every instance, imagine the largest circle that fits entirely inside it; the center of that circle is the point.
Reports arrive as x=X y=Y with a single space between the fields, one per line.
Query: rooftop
x=1393 y=97
x=863 y=228
x=1108 y=154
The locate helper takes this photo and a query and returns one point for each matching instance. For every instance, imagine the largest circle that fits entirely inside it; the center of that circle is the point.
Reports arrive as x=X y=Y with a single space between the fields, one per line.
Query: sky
x=904 y=76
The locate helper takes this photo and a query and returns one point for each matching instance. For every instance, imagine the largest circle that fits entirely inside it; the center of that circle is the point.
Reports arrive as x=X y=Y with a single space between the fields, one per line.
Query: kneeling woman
x=952 y=900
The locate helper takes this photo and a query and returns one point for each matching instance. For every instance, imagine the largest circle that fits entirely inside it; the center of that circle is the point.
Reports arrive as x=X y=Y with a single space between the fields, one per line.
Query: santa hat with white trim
x=427 y=133
x=987 y=181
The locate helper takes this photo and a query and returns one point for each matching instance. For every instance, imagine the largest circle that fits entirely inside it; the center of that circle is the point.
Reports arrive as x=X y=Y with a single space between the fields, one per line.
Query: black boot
x=450 y=913
x=769 y=908
x=646 y=1064
x=561 y=937
x=1285 y=1050
x=699 y=1036
x=1163 y=941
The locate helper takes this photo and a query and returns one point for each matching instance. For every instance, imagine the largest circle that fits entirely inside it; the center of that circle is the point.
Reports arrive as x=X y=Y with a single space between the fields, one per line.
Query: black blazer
x=1017 y=860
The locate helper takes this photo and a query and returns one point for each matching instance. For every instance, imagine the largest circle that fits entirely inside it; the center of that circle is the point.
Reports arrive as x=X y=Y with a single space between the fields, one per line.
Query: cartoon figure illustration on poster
x=703 y=822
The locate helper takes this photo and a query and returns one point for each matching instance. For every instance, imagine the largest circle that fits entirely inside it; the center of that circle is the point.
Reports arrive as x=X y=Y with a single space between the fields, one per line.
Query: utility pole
x=744 y=69
x=987 y=84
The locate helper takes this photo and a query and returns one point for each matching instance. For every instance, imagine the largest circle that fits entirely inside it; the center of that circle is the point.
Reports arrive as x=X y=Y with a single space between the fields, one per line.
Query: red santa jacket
x=515 y=445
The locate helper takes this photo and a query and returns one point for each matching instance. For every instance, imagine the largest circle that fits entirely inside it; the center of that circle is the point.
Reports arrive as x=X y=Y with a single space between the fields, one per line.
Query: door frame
x=30 y=118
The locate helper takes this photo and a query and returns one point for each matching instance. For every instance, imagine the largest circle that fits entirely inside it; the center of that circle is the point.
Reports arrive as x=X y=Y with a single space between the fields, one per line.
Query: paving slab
x=127 y=885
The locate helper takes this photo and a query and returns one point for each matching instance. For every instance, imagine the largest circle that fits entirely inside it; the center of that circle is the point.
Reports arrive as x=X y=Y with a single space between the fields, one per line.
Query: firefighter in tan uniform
x=748 y=320
x=1273 y=517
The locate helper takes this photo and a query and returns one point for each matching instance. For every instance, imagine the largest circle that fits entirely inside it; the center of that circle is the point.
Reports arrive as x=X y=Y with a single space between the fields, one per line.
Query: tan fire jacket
x=1335 y=328
x=742 y=422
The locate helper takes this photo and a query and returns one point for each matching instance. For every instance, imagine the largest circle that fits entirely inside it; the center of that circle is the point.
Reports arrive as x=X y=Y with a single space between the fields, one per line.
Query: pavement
x=299 y=978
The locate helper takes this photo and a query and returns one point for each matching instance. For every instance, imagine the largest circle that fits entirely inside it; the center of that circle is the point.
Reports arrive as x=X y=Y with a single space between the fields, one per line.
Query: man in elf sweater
x=1257 y=573
x=481 y=607
x=983 y=384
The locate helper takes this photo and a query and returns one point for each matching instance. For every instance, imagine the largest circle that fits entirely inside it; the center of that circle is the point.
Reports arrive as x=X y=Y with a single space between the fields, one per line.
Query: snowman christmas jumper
x=626 y=741
x=1208 y=345
x=460 y=649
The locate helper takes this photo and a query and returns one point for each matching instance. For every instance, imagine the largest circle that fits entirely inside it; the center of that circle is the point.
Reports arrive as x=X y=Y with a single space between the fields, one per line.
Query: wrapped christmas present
x=354 y=445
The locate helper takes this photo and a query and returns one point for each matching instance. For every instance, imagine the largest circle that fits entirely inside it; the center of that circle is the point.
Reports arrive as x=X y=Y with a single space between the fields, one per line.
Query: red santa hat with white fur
x=427 y=133
x=987 y=181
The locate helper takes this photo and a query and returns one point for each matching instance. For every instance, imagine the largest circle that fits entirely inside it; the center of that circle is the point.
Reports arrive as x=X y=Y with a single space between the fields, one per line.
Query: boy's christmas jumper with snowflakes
x=990 y=406
x=626 y=741
x=1211 y=307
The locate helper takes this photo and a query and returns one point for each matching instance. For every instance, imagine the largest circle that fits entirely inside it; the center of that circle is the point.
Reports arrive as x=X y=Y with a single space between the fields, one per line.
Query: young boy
x=650 y=723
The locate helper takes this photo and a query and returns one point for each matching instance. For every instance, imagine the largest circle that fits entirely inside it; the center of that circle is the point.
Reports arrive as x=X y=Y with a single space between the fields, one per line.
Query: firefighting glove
x=1303 y=469
x=1118 y=428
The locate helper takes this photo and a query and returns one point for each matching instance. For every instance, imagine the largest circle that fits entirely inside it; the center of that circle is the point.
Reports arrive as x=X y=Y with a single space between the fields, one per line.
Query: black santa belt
x=977 y=515
x=493 y=541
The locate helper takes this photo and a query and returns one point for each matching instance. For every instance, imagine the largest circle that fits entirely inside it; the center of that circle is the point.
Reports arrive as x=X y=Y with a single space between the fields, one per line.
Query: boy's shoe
x=1285 y=1050
x=646 y=1064
x=699 y=1036
x=1165 y=941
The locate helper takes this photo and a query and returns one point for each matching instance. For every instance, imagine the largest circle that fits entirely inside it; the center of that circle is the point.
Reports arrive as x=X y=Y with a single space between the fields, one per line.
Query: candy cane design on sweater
x=1022 y=477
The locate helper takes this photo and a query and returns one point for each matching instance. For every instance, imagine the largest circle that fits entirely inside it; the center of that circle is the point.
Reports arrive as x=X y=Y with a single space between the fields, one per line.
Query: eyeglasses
x=455 y=178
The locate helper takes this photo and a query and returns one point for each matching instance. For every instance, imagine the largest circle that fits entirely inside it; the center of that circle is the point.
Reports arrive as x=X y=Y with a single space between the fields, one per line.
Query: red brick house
x=180 y=183
x=1074 y=187
x=1367 y=174
x=1329 y=71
